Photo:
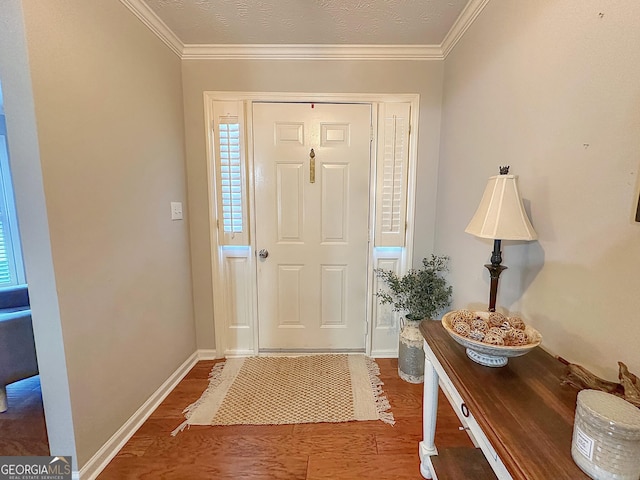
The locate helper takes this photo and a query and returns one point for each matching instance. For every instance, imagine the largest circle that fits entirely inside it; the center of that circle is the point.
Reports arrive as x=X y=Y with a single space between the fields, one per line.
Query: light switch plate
x=176 y=210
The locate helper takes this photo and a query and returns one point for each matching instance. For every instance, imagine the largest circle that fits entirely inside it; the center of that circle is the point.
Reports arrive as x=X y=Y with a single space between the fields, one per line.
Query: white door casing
x=234 y=265
x=312 y=217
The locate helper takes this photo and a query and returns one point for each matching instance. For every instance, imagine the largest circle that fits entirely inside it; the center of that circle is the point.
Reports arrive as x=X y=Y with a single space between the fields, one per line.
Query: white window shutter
x=230 y=173
x=392 y=174
x=11 y=266
x=6 y=273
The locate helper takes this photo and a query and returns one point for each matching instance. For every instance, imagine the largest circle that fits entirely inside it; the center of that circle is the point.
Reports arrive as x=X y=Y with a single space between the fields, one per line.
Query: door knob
x=264 y=253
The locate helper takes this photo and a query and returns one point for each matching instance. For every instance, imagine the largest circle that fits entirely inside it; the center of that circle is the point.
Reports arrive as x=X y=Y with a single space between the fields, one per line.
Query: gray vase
x=410 y=353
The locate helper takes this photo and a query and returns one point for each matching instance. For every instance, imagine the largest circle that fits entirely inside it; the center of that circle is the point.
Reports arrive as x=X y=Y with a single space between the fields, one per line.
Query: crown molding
x=463 y=22
x=306 y=52
x=147 y=16
x=312 y=52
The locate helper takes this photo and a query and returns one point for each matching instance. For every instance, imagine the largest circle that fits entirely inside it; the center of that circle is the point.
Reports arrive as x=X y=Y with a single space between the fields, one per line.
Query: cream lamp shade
x=501 y=214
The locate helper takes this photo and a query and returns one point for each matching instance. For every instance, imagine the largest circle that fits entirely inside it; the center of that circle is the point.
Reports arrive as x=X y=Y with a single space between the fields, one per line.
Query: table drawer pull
x=464 y=410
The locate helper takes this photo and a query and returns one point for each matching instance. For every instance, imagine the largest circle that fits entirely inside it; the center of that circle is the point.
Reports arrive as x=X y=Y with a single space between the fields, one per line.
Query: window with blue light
x=11 y=265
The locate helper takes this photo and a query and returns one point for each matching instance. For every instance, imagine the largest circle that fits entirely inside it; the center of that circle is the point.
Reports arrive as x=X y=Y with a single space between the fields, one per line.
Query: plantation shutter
x=230 y=173
x=11 y=267
x=7 y=276
x=392 y=174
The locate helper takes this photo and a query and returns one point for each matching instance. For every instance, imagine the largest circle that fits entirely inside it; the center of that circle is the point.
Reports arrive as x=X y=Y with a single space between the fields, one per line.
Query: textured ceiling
x=317 y=22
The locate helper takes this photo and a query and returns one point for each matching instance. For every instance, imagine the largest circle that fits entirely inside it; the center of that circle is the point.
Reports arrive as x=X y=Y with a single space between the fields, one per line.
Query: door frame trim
x=221 y=308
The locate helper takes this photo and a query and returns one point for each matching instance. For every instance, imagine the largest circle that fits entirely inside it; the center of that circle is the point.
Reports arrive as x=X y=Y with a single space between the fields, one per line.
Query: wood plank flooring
x=22 y=426
x=335 y=451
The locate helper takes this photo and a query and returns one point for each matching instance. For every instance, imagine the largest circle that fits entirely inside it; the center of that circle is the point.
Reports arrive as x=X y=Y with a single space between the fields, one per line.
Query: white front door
x=312 y=221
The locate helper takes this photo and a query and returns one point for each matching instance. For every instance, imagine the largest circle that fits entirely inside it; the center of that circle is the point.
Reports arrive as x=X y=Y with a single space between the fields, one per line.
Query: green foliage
x=420 y=293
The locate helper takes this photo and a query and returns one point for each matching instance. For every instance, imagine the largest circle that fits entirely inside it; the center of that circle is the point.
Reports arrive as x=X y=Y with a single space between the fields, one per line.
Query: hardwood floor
x=333 y=451
x=22 y=426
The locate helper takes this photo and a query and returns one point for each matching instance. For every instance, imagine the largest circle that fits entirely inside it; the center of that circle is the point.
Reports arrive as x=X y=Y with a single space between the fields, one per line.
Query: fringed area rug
x=286 y=390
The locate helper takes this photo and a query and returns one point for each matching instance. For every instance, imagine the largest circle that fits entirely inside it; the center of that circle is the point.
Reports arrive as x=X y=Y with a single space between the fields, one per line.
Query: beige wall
x=108 y=105
x=199 y=76
x=552 y=89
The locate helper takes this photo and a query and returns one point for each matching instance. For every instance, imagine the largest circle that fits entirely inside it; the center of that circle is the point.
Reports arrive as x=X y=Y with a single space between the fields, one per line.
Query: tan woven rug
x=286 y=390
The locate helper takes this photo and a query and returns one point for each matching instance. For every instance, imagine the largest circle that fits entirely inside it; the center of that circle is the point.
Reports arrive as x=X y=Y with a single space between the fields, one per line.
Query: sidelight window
x=230 y=179
x=392 y=176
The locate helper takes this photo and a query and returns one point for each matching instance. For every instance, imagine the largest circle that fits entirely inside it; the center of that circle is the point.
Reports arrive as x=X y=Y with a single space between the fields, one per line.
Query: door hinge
x=371 y=133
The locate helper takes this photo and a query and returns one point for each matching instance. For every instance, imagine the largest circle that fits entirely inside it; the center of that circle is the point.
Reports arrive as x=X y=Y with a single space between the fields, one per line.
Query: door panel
x=312 y=287
x=335 y=203
x=289 y=202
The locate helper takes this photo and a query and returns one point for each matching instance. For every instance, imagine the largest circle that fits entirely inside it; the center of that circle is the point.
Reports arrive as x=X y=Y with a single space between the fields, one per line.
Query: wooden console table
x=519 y=415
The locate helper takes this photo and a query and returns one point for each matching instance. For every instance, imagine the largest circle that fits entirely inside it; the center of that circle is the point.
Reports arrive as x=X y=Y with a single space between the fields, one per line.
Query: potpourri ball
x=497 y=331
x=516 y=337
x=477 y=335
x=468 y=314
x=465 y=315
x=516 y=322
x=493 y=339
x=458 y=320
x=496 y=319
x=479 y=324
x=459 y=316
x=462 y=328
x=505 y=327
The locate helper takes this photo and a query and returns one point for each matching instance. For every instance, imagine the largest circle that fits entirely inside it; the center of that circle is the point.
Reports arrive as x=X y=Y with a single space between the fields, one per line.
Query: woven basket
x=606 y=436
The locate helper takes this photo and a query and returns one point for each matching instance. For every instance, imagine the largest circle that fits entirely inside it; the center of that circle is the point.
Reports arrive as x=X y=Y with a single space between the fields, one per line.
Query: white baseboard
x=384 y=353
x=99 y=461
x=206 y=354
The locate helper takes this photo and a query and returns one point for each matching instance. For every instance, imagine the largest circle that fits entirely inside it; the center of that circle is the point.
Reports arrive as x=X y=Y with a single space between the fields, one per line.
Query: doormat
x=288 y=390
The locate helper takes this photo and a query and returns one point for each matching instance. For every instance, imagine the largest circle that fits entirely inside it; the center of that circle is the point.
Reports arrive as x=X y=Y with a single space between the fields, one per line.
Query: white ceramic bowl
x=491 y=355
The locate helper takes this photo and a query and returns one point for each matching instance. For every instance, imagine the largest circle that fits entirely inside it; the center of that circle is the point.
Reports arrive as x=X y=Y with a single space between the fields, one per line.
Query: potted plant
x=420 y=293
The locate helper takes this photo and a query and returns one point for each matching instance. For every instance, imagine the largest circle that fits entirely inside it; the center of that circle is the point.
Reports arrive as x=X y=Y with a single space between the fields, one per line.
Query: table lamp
x=500 y=216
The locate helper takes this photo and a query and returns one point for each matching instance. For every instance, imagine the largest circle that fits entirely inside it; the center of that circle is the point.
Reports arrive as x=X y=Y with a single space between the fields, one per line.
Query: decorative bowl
x=492 y=355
